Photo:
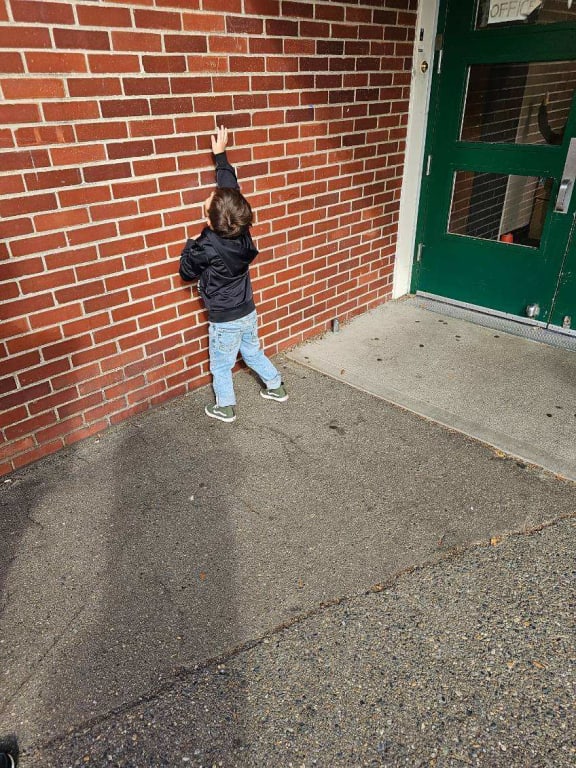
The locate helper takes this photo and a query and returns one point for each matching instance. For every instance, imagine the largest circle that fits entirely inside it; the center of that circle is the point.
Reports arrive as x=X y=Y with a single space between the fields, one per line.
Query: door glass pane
x=518 y=103
x=494 y=206
x=514 y=12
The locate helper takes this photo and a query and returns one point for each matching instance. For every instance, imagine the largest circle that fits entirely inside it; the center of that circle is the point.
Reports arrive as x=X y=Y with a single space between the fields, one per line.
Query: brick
x=55 y=63
x=296 y=47
x=11 y=114
x=84 y=40
x=70 y=378
x=146 y=392
x=259 y=45
x=106 y=302
x=205 y=22
x=58 y=111
x=107 y=172
x=281 y=28
x=244 y=25
x=155 y=165
x=101 y=131
x=157 y=20
x=140 y=86
x=125 y=108
x=163 y=64
x=29 y=426
x=9 y=185
x=65 y=177
x=113 y=211
x=15 y=364
x=92 y=354
x=268 y=83
x=66 y=347
x=77 y=154
x=33 y=245
x=123 y=387
x=60 y=429
x=125 y=149
x=27 y=37
x=262 y=7
x=44 y=134
x=99 y=382
x=7 y=418
x=11 y=62
x=171 y=106
x=27 y=204
x=77 y=293
x=24 y=395
x=94 y=86
x=84 y=432
x=128 y=412
x=226 y=6
x=107 y=16
x=145 y=42
x=298 y=10
x=185 y=44
x=191 y=85
x=113 y=63
x=32 y=88
x=51 y=318
x=78 y=406
x=213 y=103
x=151 y=127
x=212 y=64
x=36 y=453
x=39 y=12
x=94 y=233
x=18 y=447
x=46 y=282
x=227 y=44
x=43 y=373
x=83 y=324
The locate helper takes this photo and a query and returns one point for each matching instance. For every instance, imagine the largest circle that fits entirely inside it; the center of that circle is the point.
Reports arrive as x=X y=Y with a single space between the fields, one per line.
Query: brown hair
x=230 y=213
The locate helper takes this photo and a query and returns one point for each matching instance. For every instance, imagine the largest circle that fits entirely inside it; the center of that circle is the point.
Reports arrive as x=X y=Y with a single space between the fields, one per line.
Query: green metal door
x=497 y=213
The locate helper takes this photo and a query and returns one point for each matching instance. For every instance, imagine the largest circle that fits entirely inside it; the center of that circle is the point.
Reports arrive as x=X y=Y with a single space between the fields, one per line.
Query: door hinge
x=428 y=164
x=419 y=252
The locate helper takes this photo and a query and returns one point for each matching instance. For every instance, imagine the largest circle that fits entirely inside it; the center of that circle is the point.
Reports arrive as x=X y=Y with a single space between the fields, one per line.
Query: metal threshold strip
x=499 y=321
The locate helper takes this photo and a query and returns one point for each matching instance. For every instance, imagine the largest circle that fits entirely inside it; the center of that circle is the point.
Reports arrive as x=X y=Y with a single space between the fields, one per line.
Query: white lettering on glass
x=511 y=10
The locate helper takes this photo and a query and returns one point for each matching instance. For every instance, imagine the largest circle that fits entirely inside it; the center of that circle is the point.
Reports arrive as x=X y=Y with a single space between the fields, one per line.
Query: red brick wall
x=105 y=121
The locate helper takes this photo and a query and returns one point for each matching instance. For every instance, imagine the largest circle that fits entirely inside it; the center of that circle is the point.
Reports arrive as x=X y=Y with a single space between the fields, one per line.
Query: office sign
x=511 y=10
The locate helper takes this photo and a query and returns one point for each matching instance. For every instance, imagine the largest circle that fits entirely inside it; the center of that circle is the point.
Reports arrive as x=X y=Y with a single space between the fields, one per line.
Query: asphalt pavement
x=333 y=581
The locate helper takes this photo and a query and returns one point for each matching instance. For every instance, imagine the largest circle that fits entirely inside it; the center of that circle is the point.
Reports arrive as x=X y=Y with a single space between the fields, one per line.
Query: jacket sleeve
x=193 y=260
x=225 y=174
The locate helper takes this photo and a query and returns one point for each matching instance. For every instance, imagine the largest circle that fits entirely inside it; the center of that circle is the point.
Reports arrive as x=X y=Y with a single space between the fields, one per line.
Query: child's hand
x=220 y=141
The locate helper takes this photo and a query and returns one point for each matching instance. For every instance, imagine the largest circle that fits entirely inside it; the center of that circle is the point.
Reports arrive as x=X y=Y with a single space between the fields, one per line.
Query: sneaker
x=278 y=394
x=9 y=752
x=221 y=412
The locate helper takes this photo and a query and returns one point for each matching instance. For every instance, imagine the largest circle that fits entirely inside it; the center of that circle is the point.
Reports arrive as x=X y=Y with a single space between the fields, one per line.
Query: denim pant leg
x=254 y=356
x=224 y=343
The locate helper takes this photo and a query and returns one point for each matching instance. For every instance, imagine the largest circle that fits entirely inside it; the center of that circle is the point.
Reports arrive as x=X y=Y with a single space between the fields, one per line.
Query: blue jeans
x=226 y=340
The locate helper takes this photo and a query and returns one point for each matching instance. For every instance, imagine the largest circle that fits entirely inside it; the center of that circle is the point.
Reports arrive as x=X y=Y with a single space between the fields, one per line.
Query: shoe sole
x=266 y=396
x=227 y=419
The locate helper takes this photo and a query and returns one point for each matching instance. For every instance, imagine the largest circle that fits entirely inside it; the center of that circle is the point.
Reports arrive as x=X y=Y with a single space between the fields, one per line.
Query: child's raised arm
x=225 y=174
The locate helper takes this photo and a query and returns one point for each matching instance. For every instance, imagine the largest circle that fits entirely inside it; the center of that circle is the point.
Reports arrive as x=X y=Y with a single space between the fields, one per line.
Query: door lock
x=532 y=310
x=424 y=66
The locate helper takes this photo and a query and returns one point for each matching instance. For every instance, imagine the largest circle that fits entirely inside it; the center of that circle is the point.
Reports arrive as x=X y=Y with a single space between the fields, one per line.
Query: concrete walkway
x=510 y=392
x=129 y=561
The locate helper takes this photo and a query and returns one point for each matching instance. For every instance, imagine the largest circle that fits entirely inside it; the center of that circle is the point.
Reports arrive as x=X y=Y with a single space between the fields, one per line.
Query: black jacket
x=221 y=264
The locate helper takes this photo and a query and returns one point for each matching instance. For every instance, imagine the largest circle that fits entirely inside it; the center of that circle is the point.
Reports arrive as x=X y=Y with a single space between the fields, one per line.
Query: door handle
x=563 y=199
x=568 y=177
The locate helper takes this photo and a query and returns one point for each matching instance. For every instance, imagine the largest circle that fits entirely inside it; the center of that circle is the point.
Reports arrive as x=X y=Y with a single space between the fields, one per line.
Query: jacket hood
x=236 y=253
